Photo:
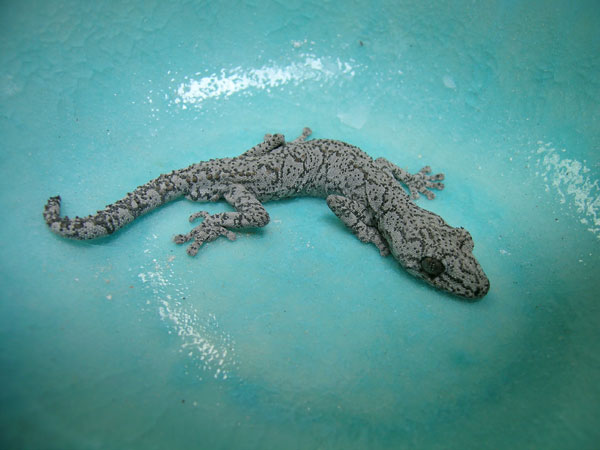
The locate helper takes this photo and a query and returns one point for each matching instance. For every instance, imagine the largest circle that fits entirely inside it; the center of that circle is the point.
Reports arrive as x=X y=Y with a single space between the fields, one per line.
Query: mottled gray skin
x=364 y=193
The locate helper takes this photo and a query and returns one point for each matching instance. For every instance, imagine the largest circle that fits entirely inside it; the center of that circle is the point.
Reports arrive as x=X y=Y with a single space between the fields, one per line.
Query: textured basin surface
x=298 y=335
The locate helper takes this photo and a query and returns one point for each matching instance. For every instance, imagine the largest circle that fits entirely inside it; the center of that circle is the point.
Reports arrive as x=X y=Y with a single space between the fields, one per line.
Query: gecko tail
x=116 y=215
x=94 y=226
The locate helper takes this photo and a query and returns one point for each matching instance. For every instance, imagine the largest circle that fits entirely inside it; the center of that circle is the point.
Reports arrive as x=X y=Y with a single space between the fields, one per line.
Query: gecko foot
x=203 y=214
x=421 y=182
x=418 y=183
x=201 y=234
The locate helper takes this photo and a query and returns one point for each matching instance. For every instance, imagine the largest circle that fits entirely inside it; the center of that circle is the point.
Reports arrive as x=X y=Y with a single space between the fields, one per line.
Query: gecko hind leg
x=249 y=213
x=359 y=219
x=419 y=182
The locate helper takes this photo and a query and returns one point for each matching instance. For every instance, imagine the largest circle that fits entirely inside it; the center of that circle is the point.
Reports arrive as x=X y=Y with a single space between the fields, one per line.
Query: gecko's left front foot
x=421 y=182
x=418 y=183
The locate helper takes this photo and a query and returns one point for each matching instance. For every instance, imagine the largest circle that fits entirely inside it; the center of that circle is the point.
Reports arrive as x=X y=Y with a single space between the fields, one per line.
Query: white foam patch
x=210 y=349
x=573 y=182
x=449 y=82
x=193 y=91
x=355 y=116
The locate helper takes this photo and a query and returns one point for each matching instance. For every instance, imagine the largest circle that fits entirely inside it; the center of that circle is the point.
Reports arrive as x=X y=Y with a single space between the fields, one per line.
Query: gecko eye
x=433 y=267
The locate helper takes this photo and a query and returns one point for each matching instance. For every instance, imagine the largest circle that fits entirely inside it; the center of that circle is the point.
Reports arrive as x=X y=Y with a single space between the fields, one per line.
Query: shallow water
x=298 y=335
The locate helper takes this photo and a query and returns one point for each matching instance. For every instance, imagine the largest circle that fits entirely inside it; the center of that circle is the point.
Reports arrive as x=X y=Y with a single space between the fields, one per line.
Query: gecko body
x=364 y=193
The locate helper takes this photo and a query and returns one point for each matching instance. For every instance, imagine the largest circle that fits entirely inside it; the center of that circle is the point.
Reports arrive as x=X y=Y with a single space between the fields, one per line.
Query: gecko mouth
x=482 y=291
x=466 y=290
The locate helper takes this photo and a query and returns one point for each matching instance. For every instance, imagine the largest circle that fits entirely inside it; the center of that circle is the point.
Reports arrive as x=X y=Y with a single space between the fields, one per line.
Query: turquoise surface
x=299 y=336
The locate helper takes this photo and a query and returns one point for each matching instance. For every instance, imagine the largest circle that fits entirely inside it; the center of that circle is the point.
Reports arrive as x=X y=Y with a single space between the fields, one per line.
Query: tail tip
x=52 y=209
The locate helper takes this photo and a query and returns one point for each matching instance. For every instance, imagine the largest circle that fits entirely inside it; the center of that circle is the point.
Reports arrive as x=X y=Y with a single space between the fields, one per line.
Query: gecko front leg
x=419 y=182
x=249 y=213
x=359 y=219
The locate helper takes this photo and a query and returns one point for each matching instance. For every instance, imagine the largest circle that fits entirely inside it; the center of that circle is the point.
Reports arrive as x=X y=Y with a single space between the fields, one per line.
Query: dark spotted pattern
x=364 y=193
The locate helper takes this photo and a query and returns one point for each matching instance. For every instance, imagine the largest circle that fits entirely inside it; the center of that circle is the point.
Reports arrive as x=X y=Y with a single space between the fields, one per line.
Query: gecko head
x=442 y=256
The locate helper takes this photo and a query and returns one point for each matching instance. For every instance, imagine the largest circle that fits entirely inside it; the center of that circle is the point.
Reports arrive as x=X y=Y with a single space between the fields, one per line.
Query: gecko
x=365 y=193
